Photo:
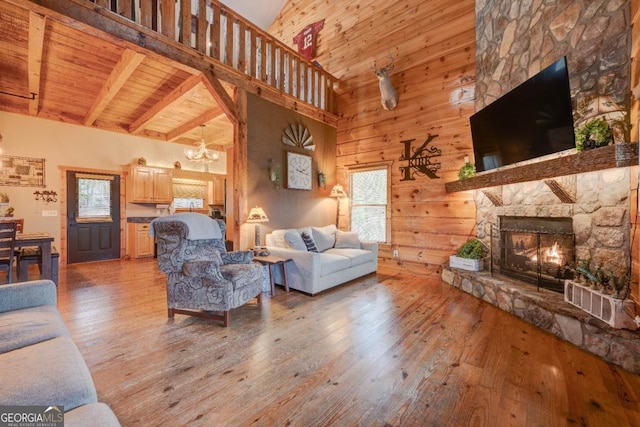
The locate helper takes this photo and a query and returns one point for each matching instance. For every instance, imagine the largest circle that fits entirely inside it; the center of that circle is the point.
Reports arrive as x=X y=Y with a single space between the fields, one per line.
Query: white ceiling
x=260 y=12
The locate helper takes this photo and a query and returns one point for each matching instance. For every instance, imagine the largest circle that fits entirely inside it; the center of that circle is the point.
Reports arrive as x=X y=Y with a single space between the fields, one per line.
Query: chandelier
x=201 y=153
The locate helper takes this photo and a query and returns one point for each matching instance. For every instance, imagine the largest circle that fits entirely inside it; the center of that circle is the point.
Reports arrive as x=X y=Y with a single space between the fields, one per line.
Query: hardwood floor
x=381 y=351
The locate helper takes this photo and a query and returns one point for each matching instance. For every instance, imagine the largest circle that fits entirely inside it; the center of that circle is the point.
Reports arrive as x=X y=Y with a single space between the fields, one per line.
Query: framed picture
x=22 y=171
x=299 y=171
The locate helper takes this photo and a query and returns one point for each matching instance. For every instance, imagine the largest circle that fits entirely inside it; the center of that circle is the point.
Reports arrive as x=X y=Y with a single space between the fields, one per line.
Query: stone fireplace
x=539 y=251
x=514 y=40
x=588 y=210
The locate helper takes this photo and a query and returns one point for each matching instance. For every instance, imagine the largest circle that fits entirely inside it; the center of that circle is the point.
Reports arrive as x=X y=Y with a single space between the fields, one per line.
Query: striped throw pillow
x=309 y=243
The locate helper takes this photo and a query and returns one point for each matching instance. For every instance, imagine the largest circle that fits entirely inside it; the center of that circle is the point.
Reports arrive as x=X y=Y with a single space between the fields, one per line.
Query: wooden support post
x=37 y=29
x=240 y=168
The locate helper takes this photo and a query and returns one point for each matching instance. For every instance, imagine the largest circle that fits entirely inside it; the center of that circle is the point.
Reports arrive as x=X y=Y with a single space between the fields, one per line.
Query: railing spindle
x=201 y=27
x=302 y=75
x=263 y=57
x=229 y=51
x=295 y=69
x=125 y=8
x=224 y=21
x=272 y=64
x=168 y=18
x=214 y=33
x=185 y=22
x=323 y=91
x=242 y=46
x=146 y=13
x=281 y=71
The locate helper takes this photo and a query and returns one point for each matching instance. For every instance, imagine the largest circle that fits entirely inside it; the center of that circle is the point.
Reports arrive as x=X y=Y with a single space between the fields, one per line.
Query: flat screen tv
x=532 y=120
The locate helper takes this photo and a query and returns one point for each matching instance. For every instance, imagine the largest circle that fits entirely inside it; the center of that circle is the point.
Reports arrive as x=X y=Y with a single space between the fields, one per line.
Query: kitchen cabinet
x=216 y=191
x=139 y=243
x=149 y=185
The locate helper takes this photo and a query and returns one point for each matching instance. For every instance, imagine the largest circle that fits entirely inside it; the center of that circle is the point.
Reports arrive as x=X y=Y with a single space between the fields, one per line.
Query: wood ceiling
x=91 y=79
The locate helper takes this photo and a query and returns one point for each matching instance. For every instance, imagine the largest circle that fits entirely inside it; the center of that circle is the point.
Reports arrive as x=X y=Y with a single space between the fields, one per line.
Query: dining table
x=43 y=241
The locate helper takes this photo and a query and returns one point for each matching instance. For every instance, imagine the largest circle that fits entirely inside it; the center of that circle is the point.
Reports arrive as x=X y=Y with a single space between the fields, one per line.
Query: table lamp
x=338 y=192
x=256 y=216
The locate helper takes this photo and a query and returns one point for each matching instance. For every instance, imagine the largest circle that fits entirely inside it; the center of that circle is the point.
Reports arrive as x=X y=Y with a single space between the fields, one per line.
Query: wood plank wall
x=433 y=44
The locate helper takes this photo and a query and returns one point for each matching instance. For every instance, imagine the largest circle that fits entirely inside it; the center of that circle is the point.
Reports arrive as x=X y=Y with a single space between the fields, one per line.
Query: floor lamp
x=338 y=192
x=257 y=216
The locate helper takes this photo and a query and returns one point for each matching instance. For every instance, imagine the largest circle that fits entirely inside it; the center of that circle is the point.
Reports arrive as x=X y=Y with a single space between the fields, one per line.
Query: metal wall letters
x=420 y=160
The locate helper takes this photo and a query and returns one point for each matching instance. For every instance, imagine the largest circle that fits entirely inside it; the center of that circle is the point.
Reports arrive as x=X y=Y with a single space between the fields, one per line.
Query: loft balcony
x=151 y=68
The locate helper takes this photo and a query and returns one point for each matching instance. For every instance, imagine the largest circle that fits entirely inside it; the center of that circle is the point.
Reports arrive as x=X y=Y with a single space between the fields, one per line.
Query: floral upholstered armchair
x=202 y=277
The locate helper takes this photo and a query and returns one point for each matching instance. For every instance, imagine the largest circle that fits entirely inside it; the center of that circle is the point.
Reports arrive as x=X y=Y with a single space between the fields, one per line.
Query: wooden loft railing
x=216 y=31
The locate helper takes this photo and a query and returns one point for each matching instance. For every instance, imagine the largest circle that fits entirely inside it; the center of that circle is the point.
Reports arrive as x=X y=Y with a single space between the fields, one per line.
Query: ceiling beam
x=126 y=65
x=182 y=90
x=216 y=89
x=37 y=27
x=194 y=123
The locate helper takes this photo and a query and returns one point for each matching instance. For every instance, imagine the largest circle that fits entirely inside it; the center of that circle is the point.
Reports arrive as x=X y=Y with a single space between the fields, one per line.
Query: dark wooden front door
x=93 y=212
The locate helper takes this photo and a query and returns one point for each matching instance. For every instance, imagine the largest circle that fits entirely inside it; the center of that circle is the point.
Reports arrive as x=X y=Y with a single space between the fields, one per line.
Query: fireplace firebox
x=536 y=250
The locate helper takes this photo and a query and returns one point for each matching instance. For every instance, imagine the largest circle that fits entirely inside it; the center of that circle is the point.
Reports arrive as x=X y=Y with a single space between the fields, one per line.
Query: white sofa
x=341 y=257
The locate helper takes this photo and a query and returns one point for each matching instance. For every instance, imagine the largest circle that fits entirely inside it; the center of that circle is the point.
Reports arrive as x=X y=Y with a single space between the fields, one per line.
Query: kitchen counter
x=141 y=219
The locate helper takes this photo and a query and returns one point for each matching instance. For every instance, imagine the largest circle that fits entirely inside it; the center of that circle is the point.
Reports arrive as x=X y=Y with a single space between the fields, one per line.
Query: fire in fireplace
x=536 y=250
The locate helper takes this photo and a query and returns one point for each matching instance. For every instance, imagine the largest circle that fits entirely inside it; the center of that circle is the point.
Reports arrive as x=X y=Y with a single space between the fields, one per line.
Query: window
x=369 y=191
x=187 y=203
x=189 y=194
x=94 y=197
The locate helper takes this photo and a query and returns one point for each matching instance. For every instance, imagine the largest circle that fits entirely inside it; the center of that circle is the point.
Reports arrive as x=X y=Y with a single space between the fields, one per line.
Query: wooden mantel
x=611 y=156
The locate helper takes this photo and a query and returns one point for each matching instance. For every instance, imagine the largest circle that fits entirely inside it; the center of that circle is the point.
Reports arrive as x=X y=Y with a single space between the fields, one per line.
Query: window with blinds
x=369 y=202
x=94 y=197
x=189 y=194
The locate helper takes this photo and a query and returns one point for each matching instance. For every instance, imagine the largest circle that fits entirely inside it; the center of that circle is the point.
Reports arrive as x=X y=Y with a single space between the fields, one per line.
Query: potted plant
x=467 y=171
x=594 y=133
x=469 y=256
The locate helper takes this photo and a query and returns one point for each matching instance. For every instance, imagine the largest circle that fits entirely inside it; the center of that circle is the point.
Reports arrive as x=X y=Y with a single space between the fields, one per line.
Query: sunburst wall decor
x=298 y=135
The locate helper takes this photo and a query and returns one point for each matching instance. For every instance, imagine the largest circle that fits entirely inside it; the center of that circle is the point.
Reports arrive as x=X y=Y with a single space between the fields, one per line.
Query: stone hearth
x=547 y=310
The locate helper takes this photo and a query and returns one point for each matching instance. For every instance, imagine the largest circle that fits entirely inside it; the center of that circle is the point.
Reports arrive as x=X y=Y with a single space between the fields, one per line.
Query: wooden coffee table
x=270 y=261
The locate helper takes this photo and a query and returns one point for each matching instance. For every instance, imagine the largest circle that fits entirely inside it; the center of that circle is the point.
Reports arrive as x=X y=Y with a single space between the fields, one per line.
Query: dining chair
x=19 y=228
x=33 y=255
x=7 y=247
x=18 y=221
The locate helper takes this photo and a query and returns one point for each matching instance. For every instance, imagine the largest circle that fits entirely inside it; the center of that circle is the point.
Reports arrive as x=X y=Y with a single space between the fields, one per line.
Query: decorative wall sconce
x=321 y=179
x=274 y=173
x=46 y=196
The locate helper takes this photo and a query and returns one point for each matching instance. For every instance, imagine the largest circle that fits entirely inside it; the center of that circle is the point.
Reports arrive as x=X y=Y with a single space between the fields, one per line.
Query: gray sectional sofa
x=338 y=257
x=41 y=365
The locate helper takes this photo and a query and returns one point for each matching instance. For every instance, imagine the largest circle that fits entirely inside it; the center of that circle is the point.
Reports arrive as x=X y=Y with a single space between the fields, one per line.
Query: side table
x=270 y=261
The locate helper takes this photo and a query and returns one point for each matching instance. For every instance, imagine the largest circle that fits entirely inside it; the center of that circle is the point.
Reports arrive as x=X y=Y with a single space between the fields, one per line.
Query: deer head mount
x=388 y=94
